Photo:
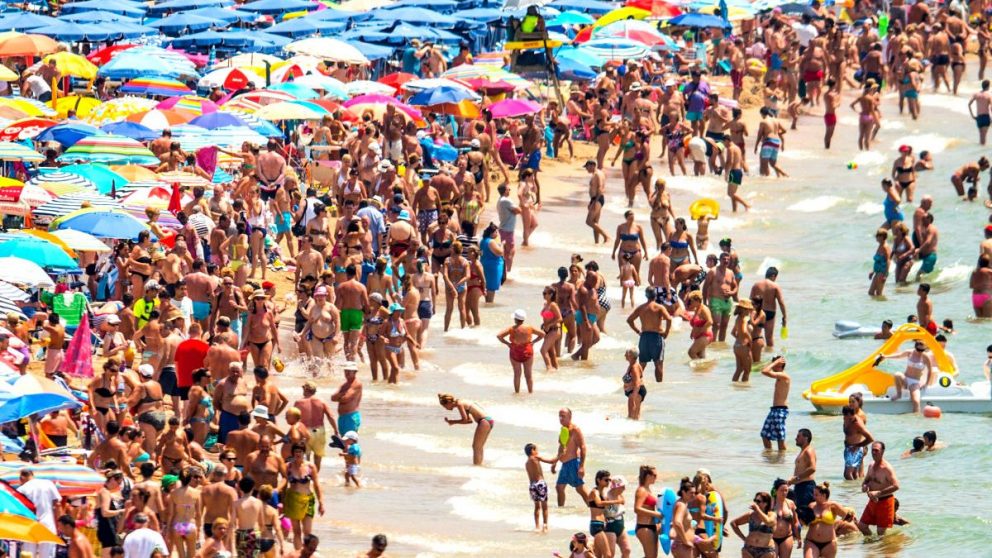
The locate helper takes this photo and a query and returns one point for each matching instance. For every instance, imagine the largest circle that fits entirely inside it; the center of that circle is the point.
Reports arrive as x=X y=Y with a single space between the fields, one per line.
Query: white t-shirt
x=43 y=495
x=37 y=85
x=805 y=33
x=141 y=542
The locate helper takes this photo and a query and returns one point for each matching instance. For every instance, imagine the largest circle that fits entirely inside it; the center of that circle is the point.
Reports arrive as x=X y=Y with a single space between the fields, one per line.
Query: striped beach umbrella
x=118 y=109
x=12 y=293
x=156 y=86
x=157 y=196
x=62 y=183
x=110 y=149
x=134 y=173
x=102 y=223
x=161 y=119
x=28 y=194
x=31 y=107
x=70 y=478
x=189 y=103
x=69 y=203
x=10 y=151
x=184 y=179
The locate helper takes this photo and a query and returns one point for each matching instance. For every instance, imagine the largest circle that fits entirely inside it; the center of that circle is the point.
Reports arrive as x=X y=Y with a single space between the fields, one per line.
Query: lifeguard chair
x=532 y=52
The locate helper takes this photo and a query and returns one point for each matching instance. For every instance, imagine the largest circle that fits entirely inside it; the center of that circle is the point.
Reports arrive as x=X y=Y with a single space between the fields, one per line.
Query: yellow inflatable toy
x=831 y=394
x=704 y=206
x=756 y=68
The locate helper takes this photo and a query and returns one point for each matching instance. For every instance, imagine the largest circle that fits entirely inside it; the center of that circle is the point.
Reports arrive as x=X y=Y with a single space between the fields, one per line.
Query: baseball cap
x=146 y=370
x=519 y=315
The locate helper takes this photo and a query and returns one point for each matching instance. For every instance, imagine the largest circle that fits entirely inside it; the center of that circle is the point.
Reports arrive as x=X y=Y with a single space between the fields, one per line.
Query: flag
x=175 y=205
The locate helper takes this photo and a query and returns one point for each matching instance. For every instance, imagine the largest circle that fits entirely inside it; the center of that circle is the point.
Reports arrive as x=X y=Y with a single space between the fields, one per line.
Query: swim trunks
x=349 y=422
x=539 y=491
x=735 y=176
x=201 y=310
x=651 y=347
x=569 y=473
x=983 y=120
x=853 y=456
x=352 y=319
x=721 y=306
x=694 y=116
x=881 y=513
x=774 y=427
x=929 y=262
x=770 y=148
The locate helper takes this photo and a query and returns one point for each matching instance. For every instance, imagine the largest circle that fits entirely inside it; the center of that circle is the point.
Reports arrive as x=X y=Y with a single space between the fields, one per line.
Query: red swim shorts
x=881 y=513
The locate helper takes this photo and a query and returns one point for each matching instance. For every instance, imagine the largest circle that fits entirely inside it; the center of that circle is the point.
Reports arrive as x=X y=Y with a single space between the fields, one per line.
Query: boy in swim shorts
x=538 y=487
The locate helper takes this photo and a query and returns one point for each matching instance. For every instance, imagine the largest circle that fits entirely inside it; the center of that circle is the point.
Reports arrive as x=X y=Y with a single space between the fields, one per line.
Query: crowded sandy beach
x=440 y=278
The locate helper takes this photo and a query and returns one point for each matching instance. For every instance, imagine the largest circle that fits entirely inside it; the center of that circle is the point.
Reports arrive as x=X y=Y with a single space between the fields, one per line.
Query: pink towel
x=78 y=359
x=206 y=159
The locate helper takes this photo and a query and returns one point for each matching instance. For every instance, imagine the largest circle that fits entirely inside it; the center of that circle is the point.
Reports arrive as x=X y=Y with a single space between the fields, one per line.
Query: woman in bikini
x=469 y=412
x=440 y=238
x=880 y=263
x=301 y=493
x=902 y=252
x=904 y=172
x=103 y=394
x=396 y=336
x=760 y=520
x=475 y=287
x=520 y=338
x=633 y=385
x=200 y=409
x=683 y=245
x=320 y=229
x=270 y=533
x=454 y=271
x=551 y=321
x=786 y=520
x=757 y=330
x=701 y=322
x=661 y=212
x=646 y=515
x=980 y=284
x=258 y=219
x=139 y=264
x=528 y=207
x=237 y=246
x=682 y=534
x=121 y=260
x=821 y=539
x=630 y=241
x=261 y=330
x=323 y=325
x=675 y=133
x=628 y=148
x=597 y=503
x=381 y=283
x=867 y=106
x=919 y=372
x=410 y=299
x=742 y=343
x=146 y=406
x=372 y=332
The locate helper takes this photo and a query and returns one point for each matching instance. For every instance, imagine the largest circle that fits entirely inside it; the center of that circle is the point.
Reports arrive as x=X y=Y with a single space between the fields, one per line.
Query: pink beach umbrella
x=512 y=108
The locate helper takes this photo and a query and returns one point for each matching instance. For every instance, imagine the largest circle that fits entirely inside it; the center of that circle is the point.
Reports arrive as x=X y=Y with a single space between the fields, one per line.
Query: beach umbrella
x=303 y=26
x=231 y=79
x=184 y=179
x=59 y=183
x=396 y=79
x=298 y=91
x=100 y=175
x=101 y=223
x=26 y=128
x=488 y=71
x=489 y=87
x=12 y=293
x=79 y=241
x=174 y=5
x=217 y=120
x=110 y=149
x=160 y=119
x=226 y=15
x=156 y=196
x=22 y=272
x=616 y=49
x=30 y=107
x=10 y=151
x=134 y=173
x=330 y=86
x=70 y=478
x=118 y=109
x=512 y=108
x=441 y=95
x=571 y=18
x=156 y=86
x=70 y=64
x=68 y=133
x=278 y=6
x=103 y=55
x=415 y=16
x=17 y=527
x=28 y=194
x=98 y=16
x=182 y=21
x=82 y=105
x=42 y=252
x=189 y=103
x=112 y=6
x=257 y=124
x=25 y=21
x=326 y=48
x=142 y=62
x=247 y=59
x=291 y=110
x=621 y=14
x=366 y=87
x=6 y=74
x=47 y=237
x=131 y=130
x=357 y=104
x=70 y=203
x=26 y=45
x=697 y=20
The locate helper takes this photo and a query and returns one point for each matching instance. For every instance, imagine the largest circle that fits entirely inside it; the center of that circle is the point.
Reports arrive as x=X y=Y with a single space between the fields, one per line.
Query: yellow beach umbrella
x=734 y=13
x=81 y=104
x=22 y=105
x=72 y=65
x=19 y=528
x=134 y=173
x=621 y=14
x=6 y=74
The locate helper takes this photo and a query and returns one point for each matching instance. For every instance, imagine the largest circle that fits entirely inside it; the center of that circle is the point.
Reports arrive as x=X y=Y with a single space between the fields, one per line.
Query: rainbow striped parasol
x=189 y=103
x=156 y=86
x=110 y=149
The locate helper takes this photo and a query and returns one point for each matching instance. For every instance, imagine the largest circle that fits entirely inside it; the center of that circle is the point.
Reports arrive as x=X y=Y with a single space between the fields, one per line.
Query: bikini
x=375 y=321
x=650 y=502
x=759 y=527
x=827 y=518
x=678 y=245
x=788 y=519
x=630 y=238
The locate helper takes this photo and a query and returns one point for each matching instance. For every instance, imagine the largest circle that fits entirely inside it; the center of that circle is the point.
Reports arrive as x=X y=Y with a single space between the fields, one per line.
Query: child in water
x=352 y=455
x=629 y=278
x=538 y=487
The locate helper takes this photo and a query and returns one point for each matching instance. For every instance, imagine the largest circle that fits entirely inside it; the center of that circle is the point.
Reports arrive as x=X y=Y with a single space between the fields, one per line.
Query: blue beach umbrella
x=440 y=95
x=217 y=119
x=135 y=62
x=697 y=20
x=302 y=26
x=105 y=179
x=571 y=18
x=131 y=130
x=299 y=91
x=370 y=51
x=113 y=6
x=36 y=250
x=278 y=6
x=180 y=22
x=415 y=16
x=35 y=404
x=224 y=14
x=588 y=6
x=22 y=21
x=73 y=32
x=68 y=133
x=99 y=16
x=331 y=14
x=186 y=5
x=102 y=223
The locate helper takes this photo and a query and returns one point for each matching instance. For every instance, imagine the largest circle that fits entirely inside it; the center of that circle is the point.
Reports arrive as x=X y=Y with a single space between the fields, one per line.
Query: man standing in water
x=771 y=140
x=771 y=299
x=313 y=413
x=927 y=250
x=734 y=158
x=924 y=309
x=651 y=345
x=774 y=427
x=349 y=398
x=803 y=478
x=597 y=188
x=982 y=101
x=571 y=455
x=880 y=485
x=719 y=289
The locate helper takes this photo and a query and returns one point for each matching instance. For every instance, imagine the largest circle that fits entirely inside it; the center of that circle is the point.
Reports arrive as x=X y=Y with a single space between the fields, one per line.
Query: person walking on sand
x=571 y=455
x=880 y=485
x=538 y=486
x=774 y=427
x=469 y=412
x=520 y=338
x=979 y=108
x=597 y=199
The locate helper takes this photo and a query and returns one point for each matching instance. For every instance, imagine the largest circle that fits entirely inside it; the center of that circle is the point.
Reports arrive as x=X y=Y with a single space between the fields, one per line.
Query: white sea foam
x=934 y=143
x=500 y=375
x=870 y=208
x=814 y=205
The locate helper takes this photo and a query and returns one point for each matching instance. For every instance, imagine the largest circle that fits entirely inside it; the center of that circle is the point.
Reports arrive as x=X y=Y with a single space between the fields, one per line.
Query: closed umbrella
x=110 y=149
x=10 y=151
x=41 y=252
x=68 y=133
x=23 y=272
x=25 y=128
x=101 y=223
